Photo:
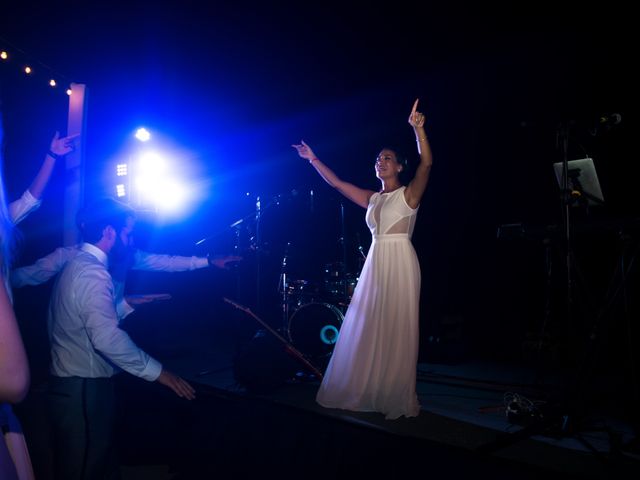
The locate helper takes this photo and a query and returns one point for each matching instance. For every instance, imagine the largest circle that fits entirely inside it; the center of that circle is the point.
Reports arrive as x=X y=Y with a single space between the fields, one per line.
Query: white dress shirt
x=18 y=210
x=22 y=207
x=83 y=325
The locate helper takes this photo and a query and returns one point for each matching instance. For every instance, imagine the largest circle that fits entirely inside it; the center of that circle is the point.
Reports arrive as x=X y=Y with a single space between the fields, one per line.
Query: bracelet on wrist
x=311 y=160
x=55 y=156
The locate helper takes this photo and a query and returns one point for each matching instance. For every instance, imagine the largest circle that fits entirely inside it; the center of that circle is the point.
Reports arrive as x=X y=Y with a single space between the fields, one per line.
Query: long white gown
x=373 y=365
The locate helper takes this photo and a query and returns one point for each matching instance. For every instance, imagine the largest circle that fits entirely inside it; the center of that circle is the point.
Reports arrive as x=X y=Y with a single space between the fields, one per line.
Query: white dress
x=373 y=365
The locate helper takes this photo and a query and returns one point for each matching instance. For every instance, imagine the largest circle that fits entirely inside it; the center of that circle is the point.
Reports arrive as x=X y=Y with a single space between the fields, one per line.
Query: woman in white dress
x=373 y=365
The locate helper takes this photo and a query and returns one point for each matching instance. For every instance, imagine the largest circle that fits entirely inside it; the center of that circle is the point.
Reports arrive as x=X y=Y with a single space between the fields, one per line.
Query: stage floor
x=464 y=411
x=230 y=431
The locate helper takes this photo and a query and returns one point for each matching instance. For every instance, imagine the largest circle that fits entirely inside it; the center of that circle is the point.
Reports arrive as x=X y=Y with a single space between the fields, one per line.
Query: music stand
x=582 y=185
x=579 y=186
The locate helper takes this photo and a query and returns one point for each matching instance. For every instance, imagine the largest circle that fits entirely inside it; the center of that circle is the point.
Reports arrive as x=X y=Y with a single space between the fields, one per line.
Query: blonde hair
x=6 y=224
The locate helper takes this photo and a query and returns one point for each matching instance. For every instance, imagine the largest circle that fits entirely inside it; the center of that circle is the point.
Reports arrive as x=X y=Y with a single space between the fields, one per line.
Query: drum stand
x=289 y=348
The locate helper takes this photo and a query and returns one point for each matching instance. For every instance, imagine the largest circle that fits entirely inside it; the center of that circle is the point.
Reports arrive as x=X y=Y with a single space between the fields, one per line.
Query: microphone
x=360 y=249
x=286 y=254
x=282 y=282
x=605 y=123
x=610 y=120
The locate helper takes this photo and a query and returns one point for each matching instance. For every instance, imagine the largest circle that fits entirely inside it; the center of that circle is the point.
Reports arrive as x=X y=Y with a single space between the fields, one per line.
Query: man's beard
x=120 y=260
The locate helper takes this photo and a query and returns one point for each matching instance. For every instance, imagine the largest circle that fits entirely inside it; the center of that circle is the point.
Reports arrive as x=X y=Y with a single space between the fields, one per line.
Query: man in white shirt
x=88 y=348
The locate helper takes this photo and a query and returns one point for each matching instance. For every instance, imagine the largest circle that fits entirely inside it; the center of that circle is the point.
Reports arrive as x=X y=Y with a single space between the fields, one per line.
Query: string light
x=11 y=54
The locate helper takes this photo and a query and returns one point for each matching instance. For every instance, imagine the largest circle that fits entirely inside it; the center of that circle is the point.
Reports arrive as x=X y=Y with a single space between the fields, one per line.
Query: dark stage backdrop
x=497 y=92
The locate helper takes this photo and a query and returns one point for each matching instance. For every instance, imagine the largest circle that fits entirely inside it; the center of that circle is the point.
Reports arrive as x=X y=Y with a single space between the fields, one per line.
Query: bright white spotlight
x=171 y=196
x=120 y=190
x=156 y=185
x=164 y=194
x=151 y=164
x=143 y=134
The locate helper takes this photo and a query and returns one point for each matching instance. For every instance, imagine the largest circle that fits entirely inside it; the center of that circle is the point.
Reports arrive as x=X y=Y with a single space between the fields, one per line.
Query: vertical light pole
x=75 y=163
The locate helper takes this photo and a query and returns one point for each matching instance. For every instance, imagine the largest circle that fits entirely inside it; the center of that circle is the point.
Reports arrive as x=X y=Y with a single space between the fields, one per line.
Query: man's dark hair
x=100 y=214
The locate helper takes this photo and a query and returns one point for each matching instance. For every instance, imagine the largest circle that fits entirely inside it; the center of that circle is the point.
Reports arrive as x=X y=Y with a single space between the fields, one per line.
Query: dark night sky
x=237 y=85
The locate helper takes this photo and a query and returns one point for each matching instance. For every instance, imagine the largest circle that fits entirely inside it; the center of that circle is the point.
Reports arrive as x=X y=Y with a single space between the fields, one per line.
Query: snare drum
x=314 y=328
x=333 y=271
x=341 y=290
x=301 y=287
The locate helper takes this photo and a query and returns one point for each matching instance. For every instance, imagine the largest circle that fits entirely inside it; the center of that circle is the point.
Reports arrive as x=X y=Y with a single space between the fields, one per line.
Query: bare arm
x=357 y=195
x=14 y=367
x=414 y=191
x=59 y=147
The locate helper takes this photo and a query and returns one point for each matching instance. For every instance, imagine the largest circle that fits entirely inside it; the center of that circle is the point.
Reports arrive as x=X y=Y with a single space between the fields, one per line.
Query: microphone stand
x=275 y=200
x=344 y=252
x=236 y=247
x=258 y=247
x=563 y=139
x=283 y=287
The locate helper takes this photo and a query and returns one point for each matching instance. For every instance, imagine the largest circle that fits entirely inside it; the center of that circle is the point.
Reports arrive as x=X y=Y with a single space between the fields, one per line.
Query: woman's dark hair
x=400 y=156
x=102 y=213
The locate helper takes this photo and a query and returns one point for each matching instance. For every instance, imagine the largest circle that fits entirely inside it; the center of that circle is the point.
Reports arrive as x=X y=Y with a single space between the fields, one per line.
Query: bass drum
x=314 y=328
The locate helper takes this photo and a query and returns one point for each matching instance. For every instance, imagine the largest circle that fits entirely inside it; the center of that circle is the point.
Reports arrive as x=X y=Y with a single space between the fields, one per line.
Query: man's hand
x=146 y=298
x=223 y=262
x=178 y=385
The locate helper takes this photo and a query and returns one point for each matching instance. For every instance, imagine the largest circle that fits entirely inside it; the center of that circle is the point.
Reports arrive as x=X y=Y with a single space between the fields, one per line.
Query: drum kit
x=313 y=313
